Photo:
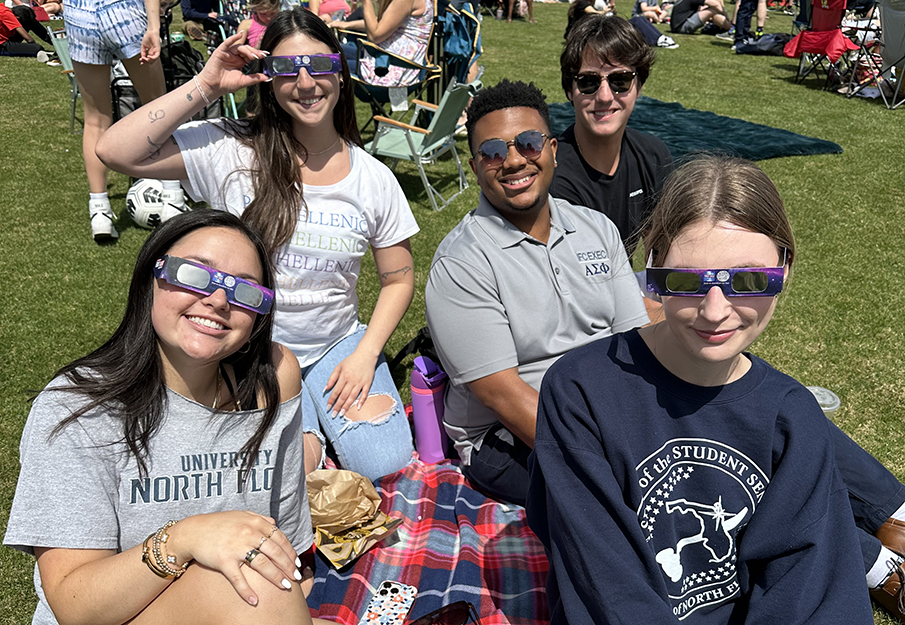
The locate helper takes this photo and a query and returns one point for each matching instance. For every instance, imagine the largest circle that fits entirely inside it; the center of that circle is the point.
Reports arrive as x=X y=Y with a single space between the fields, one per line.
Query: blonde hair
x=717 y=188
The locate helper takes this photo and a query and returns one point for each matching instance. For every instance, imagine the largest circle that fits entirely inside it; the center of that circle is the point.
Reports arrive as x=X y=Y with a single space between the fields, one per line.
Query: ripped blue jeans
x=372 y=448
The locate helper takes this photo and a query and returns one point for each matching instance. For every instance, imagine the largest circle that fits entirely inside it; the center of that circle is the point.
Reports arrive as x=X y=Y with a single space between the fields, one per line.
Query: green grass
x=838 y=325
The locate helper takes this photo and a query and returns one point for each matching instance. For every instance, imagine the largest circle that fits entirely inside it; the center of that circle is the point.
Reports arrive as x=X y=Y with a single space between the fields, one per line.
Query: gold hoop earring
x=247 y=347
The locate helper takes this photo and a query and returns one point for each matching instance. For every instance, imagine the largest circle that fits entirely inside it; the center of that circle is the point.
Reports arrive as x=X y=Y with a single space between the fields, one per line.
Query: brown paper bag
x=345 y=514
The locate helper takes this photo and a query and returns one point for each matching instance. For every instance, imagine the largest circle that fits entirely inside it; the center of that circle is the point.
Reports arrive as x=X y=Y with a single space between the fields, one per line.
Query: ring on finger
x=272 y=531
x=250 y=556
x=263 y=540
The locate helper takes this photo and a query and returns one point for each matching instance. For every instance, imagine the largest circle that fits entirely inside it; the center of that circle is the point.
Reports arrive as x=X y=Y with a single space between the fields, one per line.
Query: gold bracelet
x=146 y=558
x=161 y=563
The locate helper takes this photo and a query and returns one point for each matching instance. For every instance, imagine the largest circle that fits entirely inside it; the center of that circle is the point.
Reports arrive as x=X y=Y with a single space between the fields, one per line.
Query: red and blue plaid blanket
x=454 y=544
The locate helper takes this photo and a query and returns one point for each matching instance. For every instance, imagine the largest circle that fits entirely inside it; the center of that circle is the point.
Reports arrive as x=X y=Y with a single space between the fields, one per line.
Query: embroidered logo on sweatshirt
x=698 y=494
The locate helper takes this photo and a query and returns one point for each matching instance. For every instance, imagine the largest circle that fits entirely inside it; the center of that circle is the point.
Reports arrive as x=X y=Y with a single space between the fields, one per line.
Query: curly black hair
x=504 y=95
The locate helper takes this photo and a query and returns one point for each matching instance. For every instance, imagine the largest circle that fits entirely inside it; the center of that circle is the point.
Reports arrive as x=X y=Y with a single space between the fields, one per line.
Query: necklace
x=332 y=145
x=217 y=390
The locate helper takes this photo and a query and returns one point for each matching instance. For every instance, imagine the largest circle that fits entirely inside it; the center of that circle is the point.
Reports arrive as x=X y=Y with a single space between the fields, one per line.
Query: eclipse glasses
x=316 y=64
x=203 y=279
x=458 y=613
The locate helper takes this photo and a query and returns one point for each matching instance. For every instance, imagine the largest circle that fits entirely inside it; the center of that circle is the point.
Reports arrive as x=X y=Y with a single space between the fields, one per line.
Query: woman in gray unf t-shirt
x=188 y=414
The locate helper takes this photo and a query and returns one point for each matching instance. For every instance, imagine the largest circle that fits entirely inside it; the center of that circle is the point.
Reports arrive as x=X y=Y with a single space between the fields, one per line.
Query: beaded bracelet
x=161 y=564
x=200 y=90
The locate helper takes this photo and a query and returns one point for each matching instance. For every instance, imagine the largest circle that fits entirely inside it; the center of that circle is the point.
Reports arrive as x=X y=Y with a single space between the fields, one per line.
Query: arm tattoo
x=386 y=274
x=155 y=115
x=189 y=97
x=155 y=147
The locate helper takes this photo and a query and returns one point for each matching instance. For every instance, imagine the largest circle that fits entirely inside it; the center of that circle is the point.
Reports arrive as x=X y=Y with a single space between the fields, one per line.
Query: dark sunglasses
x=458 y=613
x=203 y=279
x=316 y=64
x=529 y=144
x=620 y=82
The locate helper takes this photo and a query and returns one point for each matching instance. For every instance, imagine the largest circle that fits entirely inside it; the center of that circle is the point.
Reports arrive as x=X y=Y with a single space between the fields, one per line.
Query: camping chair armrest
x=400 y=61
x=350 y=35
x=67 y=71
x=380 y=119
x=425 y=105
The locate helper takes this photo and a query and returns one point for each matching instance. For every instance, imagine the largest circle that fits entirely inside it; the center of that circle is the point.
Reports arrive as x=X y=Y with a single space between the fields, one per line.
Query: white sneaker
x=173 y=204
x=102 y=218
x=667 y=42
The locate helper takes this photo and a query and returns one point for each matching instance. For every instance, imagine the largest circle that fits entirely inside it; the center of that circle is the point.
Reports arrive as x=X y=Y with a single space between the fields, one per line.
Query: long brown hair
x=718 y=188
x=275 y=173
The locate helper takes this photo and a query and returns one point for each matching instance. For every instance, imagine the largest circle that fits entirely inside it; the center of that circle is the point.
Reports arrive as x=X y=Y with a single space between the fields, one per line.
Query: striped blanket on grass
x=454 y=544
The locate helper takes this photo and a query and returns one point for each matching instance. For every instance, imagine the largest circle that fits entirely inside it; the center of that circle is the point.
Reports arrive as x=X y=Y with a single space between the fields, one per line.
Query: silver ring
x=272 y=531
x=250 y=556
x=263 y=540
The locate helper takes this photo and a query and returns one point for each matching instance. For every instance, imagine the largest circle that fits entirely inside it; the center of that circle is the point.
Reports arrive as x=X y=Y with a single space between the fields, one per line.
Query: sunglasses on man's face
x=529 y=144
x=203 y=279
x=458 y=613
x=316 y=64
x=589 y=84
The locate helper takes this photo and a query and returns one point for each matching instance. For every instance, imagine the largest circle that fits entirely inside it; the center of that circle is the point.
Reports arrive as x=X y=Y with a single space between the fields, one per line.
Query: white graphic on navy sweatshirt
x=697 y=495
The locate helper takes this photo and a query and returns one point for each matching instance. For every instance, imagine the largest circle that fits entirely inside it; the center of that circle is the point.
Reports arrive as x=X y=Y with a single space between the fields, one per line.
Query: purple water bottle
x=428 y=384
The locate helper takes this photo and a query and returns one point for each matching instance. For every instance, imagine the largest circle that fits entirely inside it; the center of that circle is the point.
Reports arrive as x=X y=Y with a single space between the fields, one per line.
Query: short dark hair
x=613 y=40
x=506 y=95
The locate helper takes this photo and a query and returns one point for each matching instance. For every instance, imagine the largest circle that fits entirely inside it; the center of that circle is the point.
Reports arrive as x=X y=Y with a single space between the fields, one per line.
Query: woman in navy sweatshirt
x=677 y=477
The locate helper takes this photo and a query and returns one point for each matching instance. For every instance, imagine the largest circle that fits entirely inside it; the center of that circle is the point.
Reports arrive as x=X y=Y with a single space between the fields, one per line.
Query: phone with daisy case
x=390 y=604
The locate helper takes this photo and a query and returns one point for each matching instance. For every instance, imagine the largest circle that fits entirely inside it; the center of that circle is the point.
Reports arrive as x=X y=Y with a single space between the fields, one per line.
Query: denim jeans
x=371 y=448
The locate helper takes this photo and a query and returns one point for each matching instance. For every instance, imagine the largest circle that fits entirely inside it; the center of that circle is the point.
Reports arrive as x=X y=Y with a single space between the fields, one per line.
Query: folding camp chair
x=823 y=43
x=461 y=41
x=378 y=96
x=881 y=58
x=61 y=47
x=400 y=141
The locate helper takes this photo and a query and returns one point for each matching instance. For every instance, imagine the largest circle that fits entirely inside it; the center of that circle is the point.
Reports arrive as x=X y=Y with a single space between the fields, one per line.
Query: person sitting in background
x=14 y=39
x=689 y=16
x=330 y=10
x=262 y=12
x=29 y=21
x=530 y=11
x=652 y=11
x=402 y=27
x=201 y=16
x=582 y=8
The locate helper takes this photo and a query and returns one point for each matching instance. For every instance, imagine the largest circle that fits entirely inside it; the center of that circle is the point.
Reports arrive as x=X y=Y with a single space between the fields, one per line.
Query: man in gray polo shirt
x=523 y=279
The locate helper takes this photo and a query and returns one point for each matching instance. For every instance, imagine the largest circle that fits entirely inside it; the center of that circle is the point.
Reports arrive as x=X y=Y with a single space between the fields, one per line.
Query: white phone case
x=390 y=604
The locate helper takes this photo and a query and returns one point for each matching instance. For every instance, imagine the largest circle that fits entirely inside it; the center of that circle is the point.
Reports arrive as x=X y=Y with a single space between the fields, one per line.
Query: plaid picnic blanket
x=454 y=544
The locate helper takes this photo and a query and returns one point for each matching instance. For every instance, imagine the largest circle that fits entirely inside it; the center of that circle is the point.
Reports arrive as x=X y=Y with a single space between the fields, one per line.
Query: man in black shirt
x=688 y=16
x=602 y=164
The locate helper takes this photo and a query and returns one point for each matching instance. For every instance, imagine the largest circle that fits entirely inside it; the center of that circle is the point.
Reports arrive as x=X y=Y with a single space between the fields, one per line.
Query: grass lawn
x=834 y=326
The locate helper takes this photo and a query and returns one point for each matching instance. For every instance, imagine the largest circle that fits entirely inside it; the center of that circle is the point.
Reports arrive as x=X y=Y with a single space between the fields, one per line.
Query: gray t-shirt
x=81 y=490
x=497 y=298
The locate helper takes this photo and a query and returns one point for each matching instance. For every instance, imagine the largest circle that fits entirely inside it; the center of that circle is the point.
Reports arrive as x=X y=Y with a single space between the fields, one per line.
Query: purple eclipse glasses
x=203 y=279
x=740 y=282
x=316 y=64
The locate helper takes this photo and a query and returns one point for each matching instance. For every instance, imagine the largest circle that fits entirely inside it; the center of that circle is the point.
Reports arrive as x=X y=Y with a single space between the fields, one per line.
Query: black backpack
x=768 y=45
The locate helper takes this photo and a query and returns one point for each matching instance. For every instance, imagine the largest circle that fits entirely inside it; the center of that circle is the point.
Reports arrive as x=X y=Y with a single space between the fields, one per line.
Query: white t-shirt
x=317 y=270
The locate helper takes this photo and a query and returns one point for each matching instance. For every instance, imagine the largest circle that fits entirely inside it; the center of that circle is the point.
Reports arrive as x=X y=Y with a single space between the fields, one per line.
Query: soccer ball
x=144 y=204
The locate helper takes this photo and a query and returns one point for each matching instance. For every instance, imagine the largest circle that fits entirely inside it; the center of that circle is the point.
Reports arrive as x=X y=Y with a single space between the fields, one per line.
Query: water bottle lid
x=430 y=370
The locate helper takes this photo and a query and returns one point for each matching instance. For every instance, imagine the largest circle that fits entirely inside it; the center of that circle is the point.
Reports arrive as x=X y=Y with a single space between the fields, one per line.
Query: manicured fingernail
x=298 y=563
x=297 y=575
x=342 y=412
x=269 y=79
x=286 y=584
x=253 y=600
x=333 y=414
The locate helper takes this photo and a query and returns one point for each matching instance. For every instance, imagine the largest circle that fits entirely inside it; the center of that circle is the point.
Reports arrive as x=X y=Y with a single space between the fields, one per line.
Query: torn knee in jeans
x=377 y=409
